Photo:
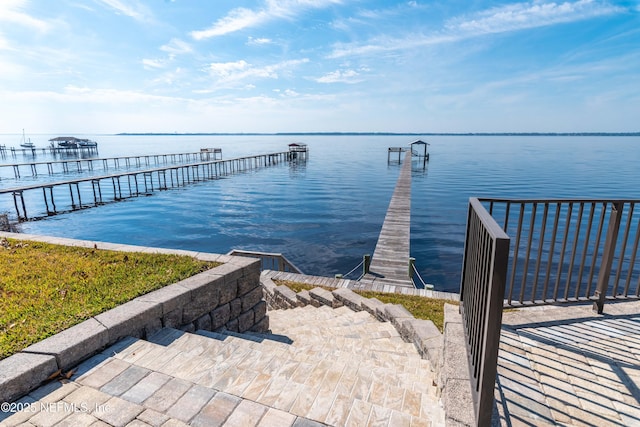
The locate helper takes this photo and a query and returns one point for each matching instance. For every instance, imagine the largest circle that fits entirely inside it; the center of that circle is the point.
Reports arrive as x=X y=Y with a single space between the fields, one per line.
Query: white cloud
x=170 y=78
x=130 y=8
x=154 y=63
x=512 y=17
x=173 y=48
x=86 y=95
x=389 y=44
x=226 y=72
x=176 y=47
x=346 y=76
x=83 y=94
x=227 y=69
x=258 y=41
x=241 y=18
x=236 y=20
x=11 y=11
x=9 y=69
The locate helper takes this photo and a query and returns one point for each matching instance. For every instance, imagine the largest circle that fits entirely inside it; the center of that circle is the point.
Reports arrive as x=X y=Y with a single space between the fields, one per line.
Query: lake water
x=325 y=214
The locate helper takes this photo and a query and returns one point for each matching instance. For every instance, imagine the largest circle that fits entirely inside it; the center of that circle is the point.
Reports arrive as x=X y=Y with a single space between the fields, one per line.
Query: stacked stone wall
x=226 y=297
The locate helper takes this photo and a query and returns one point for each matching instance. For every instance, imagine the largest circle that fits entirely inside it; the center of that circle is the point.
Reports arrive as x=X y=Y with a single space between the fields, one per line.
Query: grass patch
x=421 y=307
x=47 y=288
x=298 y=287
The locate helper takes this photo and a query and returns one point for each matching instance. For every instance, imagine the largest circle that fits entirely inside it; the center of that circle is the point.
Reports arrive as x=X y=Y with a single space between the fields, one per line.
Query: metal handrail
x=482 y=287
x=562 y=250
x=570 y=250
x=269 y=261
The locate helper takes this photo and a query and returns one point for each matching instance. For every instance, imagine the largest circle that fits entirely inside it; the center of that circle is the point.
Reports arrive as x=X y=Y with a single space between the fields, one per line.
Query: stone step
x=189 y=355
x=322 y=312
x=342 y=323
x=303 y=315
x=319 y=365
x=324 y=364
x=118 y=393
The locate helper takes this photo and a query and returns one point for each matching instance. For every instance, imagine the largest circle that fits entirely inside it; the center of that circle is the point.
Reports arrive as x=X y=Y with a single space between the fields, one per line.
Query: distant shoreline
x=380 y=134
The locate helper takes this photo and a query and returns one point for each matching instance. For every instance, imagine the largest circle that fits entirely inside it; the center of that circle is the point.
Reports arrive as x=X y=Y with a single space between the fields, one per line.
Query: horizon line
x=637 y=133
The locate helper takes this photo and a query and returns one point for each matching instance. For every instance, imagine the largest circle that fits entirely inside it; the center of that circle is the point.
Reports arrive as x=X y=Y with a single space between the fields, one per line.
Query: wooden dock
x=114 y=187
x=32 y=151
x=89 y=164
x=390 y=262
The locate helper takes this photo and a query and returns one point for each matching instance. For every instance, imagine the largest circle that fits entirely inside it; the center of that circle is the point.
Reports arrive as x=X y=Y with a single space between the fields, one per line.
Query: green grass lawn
x=47 y=288
x=421 y=307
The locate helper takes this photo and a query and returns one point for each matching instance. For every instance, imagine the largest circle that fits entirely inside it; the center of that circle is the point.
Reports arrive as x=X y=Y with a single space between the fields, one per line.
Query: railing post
x=607 y=257
x=412 y=262
x=366 y=262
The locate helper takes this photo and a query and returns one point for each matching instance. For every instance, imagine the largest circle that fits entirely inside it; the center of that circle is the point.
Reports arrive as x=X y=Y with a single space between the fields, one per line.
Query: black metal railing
x=570 y=250
x=269 y=261
x=481 y=296
x=561 y=251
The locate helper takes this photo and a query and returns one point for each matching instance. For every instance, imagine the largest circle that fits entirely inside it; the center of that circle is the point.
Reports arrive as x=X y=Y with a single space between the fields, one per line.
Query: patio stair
x=318 y=366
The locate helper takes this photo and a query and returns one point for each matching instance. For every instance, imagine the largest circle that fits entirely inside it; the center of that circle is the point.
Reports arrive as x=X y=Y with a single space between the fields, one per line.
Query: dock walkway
x=82 y=164
x=390 y=262
x=122 y=185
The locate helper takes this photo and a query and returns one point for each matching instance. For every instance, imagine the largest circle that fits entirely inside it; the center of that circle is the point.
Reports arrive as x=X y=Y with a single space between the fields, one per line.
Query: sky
x=189 y=66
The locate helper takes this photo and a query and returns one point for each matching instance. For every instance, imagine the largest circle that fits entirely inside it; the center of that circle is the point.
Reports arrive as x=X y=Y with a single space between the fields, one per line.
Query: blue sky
x=109 y=66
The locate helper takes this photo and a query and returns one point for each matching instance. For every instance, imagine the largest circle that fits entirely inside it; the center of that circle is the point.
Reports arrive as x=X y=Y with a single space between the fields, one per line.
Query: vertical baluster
x=573 y=251
x=552 y=248
x=516 y=249
x=596 y=248
x=563 y=251
x=625 y=238
x=543 y=228
x=585 y=249
x=525 y=270
x=632 y=260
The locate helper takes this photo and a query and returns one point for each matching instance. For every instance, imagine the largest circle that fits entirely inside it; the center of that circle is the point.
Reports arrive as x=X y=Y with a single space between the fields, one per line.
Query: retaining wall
x=226 y=297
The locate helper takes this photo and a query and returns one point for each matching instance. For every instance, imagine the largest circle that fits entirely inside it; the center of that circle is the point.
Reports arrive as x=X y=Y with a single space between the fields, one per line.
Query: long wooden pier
x=89 y=164
x=391 y=263
x=133 y=183
x=51 y=150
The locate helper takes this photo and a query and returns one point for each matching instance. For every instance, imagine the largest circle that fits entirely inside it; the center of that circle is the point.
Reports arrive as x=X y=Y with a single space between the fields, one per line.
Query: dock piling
x=366 y=263
x=412 y=262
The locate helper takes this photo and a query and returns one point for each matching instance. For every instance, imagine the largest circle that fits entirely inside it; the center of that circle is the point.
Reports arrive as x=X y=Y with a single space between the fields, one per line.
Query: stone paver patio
x=569 y=366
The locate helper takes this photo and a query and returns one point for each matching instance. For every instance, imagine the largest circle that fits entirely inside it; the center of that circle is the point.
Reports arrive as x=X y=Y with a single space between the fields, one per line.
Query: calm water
x=325 y=214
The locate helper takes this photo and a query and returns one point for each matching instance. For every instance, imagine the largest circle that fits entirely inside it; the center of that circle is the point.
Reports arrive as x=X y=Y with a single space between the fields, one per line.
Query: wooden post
x=366 y=263
x=412 y=262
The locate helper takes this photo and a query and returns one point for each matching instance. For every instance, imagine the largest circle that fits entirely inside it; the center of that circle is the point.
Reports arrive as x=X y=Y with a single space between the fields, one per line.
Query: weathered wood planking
x=390 y=262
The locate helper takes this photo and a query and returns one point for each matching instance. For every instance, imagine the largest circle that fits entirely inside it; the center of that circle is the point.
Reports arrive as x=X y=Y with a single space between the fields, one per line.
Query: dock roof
x=65 y=138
